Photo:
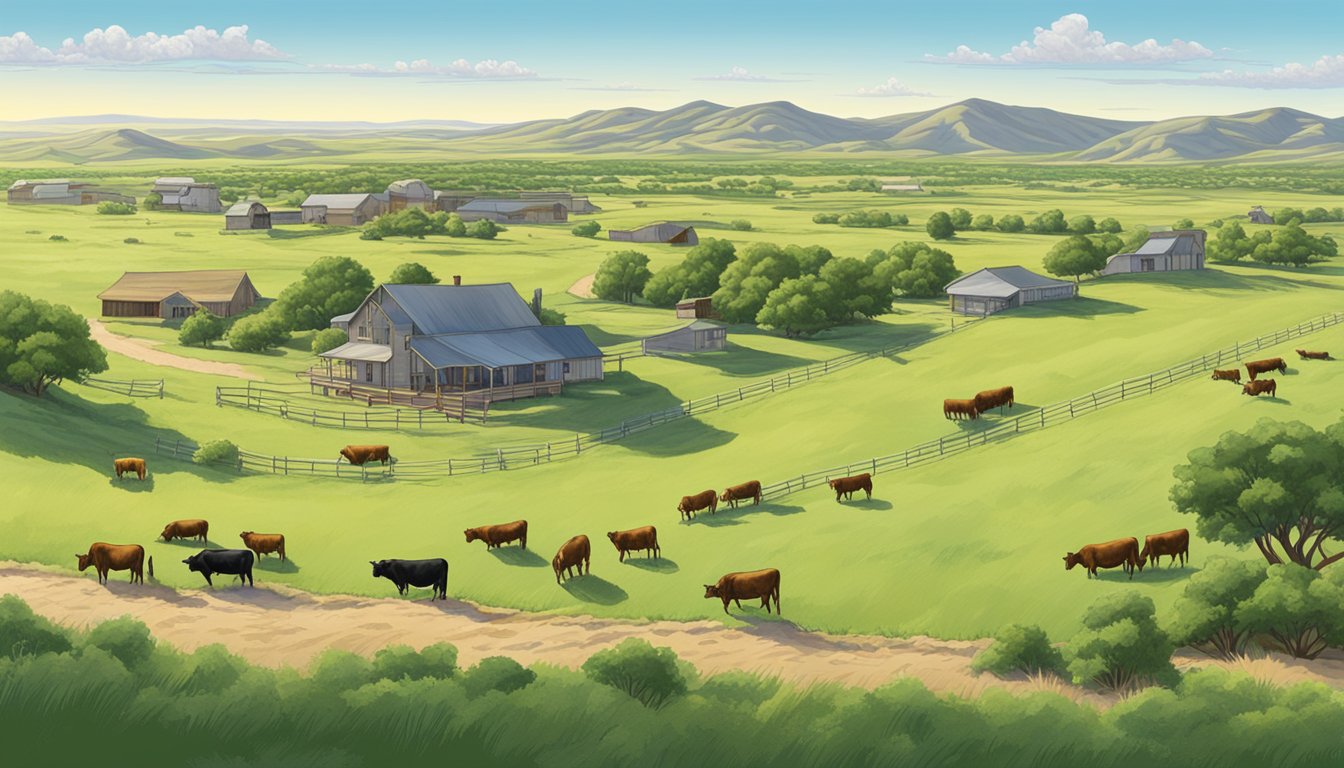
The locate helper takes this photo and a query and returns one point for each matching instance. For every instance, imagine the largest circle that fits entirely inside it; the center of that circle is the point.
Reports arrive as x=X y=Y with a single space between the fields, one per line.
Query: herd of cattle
x=1255 y=368
x=1125 y=553
x=983 y=401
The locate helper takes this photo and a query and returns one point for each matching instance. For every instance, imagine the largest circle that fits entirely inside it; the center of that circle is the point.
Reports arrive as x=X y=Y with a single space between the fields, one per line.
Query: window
x=565 y=367
x=368 y=372
x=406 y=342
x=363 y=332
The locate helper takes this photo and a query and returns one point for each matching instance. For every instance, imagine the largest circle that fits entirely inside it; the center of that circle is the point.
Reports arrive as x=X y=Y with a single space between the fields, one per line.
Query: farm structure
x=184 y=193
x=902 y=188
x=658 y=232
x=514 y=211
x=1179 y=249
x=247 y=215
x=350 y=210
x=407 y=193
x=175 y=295
x=61 y=192
x=700 y=336
x=995 y=289
x=419 y=344
x=1257 y=215
x=572 y=204
x=696 y=309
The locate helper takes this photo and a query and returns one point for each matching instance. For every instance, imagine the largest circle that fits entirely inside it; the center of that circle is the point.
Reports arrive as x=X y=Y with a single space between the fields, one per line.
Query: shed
x=696 y=309
x=658 y=232
x=995 y=289
x=1179 y=249
x=170 y=295
x=580 y=204
x=1257 y=215
x=700 y=336
x=247 y=215
x=184 y=193
x=352 y=210
x=514 y=211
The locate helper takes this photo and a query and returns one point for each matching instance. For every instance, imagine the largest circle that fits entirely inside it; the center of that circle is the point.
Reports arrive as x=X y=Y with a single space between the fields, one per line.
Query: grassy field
x=954 y=549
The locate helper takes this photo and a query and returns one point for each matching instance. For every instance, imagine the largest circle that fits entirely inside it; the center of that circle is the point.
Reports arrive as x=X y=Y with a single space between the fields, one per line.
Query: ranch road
x=146 y=352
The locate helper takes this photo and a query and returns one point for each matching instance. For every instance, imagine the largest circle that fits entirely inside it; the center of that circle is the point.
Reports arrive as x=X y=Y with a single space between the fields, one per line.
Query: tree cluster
x=863 y=219
x=1080 y=255
x=414 y=222
x=1290 y=245
x=1309 y=216
x=42 y=344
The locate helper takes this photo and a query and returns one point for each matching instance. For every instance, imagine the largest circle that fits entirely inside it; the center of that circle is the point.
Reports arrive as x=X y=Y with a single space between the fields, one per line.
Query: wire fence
x=132 y=388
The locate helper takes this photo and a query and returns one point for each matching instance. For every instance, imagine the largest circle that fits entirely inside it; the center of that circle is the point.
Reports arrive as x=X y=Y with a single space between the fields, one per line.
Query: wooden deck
x=456 y=403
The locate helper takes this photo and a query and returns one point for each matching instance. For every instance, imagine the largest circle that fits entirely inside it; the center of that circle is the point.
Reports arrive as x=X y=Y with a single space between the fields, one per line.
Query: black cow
x=415 y=573
x=237 y=562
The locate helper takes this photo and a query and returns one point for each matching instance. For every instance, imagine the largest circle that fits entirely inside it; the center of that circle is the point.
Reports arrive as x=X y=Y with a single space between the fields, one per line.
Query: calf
x=186 y=529
x=848 y=485
x=122 y=466
x=994 y=398
x=960 y=409
x=1122 y=553
x=1257 y=388
x=1305 y=355
x=415 y=573
x=747 y=490
x=1173 y=543
x=499 y=535
x=703 y=500
x=636 y=539
x=362 y=454
x=264 y=543
x=1232 y=374
x=749 y=585
x=573 y=553
x=106 y=557
x=236 y=562
x=1257 y=367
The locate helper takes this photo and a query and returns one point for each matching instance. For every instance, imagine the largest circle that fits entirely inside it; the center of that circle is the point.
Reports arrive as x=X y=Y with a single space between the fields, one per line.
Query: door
x=1146 y=265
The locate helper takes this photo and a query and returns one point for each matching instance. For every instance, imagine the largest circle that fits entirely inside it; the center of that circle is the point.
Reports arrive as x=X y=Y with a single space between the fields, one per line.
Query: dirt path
x=148 y=352
x=583 y=287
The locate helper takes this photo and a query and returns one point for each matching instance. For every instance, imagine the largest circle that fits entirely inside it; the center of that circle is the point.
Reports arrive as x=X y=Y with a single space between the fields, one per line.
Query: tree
x=42 y=344
x=152 y=201
x=1299 y=608
x=412 y=273
x=810 y=258
x=586 y=229
x=743 y=287
x=258 y=333
x=961 y=218
x=1019 y=648
x=741 y=225
x=1292 y=245
x=483 y=229
x=696 y=275
x=455 y=226
x=1230 y=243
x=864 y=185
x=855 y=290
x=1109 y=226
x=328 y=339
x=330 y=286
x=1120 y=646
x=1205 y=616
x=1082 y=225
x=940 y=226
x=201 y=328
x=1279 y=485
x=800 y=306
x=914 y=270
x=1074 y=257
x=635 y=667
x=826 y=218
x=622 y=276
x=1011 y=222
x=1287 y=215
x=111 y=208
x=983 y=222
x=1049 y=223
x=1184 y=224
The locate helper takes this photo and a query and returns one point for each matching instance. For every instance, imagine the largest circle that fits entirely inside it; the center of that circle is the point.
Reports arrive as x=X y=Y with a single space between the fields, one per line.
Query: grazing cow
x=634 y=539
x=748 y=585
x=848 y=485
x=123 y=466
x=703 y=500
x=363 y=454
x=994 y=398
x=106 y=557
x=1174 y=543
x=185 y=529
x=1305 y=355
x=415 y=573
x=960 y=409
x=1119 y=553
x=1232 y=374
x=573 y=553
x=1257 y=388
x=237 y=562
x=264 y=543
x=1257 y=367
x=499 y=535
x=735 y=493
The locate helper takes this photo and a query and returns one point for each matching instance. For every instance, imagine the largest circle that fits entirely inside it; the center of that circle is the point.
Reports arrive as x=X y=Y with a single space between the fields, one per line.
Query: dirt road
x=583 y=287
x=147 y=352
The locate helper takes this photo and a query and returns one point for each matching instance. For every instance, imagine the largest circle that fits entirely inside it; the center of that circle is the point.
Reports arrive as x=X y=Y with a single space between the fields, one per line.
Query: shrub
x=1082 y=225
x=1205 y=617
x=110 y=208
x=131 y=241
x=330 y=286
x=57 y=238
x=961 y=218
x=741 y=225
x=872 y=219
x=401 y=662
x=983 y=222
x=1109 y=226
x=1011 y=222
x=939 y=226
x=1184 y=224
x=370 y=234
x=125 y=638
x=1019 y=648
x=484 y=229
x=638 y=669
x=586 y=229
x=202 y=328
x=42 y=343
x=328 y=339
x=800 y=306
x=1120 y=646
x=826 y=218
x=1302 y=611
x=24 y=633
x=496 y=673
x=258 y=333
x=622 y=276
x=552 y=316
x=1049 y=223
x=216 y=452
x=412 y=273
x=152 y=201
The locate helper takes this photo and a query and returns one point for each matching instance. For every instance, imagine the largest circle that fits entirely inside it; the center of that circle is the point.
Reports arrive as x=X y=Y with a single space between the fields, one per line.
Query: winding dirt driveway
x=148 y=352
x=583 y=287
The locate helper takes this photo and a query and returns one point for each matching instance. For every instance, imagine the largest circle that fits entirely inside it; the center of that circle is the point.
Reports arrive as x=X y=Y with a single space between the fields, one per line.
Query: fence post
x=578 y=448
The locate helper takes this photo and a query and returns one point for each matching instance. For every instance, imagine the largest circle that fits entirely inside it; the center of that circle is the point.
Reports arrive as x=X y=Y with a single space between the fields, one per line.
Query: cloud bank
x=892 y=87
x=1071 y=41
x=742 y=75
x=115 y=45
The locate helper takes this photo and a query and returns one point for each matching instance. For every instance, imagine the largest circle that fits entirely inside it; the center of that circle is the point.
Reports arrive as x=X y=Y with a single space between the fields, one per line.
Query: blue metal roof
x=498 y=349
x=439 y=309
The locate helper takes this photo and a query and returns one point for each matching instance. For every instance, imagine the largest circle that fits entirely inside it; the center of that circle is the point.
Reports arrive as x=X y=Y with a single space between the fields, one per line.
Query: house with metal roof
x=995 y=289
x=245 y=215
x=658 y=232
x=1258 y=215
x=184 y=193
x=177 y=295
x=449 y=341
x=60 y=192
x=349 y=210
x=508 y=211
x=1178 y=249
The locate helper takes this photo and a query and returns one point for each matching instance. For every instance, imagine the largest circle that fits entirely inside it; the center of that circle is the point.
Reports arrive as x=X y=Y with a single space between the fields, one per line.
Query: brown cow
x=1257 y=367
x=185 y=529
x=573 y=553
x=1174 y=543
x=958 y=409
x=735 y=493
x=1257 y=388
x=499 y=535
x=1231 y=374
x=106 y=557
x=1119 y=553
x=635 y=539
x=123 y=466
x=1305 y=355
x=848 y=485
x=363 y=454
x=703 y=500
x=994 y=398
x=748 y=585
x=264 y=543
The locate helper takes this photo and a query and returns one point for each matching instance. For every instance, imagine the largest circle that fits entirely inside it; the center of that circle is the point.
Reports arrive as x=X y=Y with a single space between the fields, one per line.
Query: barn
x=352 y=210
x=658 y=232
x=184 y=193
x=1180 y=249
x=60 y=192
x=1258 y=215
x=573 y=204
x=696 y=309
x=514 y=211
x=700 y=336
x=409 y=193
x=248 y=214
x=175 y=295
x=995 y=289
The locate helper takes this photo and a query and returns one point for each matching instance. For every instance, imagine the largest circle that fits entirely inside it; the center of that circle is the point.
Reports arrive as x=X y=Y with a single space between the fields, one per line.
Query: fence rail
x=132 y=388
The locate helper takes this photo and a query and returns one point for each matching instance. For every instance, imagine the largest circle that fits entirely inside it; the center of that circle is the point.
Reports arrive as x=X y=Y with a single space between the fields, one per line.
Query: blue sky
x=503 y=61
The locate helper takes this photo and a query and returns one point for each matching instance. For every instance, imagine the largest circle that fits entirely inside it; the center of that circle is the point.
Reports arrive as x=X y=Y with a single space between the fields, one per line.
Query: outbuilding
x=352 y=210
x=696 y=309
x=61 y=192
x=1258 y=215
x=514 y=211
x=1179 y=249
x=176 y=295
x=184 y=193
x=658 y=232
x=995 y=289
x=409 y=193
x=248 y=214
x=700 y=336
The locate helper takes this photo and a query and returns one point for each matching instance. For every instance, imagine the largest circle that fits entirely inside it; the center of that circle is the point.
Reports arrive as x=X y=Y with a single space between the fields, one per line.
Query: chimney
x=457 y=279
x=536 y=302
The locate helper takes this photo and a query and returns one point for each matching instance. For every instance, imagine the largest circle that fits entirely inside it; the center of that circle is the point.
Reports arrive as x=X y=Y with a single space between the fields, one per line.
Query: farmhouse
x=248 y=214
x=514 y=211
x=696 y=309
x=1257 y=215
x=420 y=344
x=409 y=193
x=169 y=295
x=1164 y=252
x=658 y=232
x=351 y=210
x=699 y=336
x=995 y=289
x=183 y=193
x=60 y=192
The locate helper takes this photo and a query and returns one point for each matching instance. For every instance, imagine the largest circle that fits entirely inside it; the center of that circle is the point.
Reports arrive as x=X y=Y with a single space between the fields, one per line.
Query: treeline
x=414 y=222
x=1309 y=216
x=942 y=225
x=1289 y=245
x=869 y=219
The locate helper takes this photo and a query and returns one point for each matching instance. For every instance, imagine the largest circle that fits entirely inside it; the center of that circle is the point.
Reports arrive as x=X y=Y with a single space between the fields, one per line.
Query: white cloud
x=1325 y=72
x=1070 y=41
x=115 y=45
x=892 y=87
x=741 y=75
x=461 y=68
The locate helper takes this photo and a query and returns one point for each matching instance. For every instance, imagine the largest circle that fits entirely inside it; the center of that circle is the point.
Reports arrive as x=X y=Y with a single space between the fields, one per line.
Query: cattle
x=363 y=454
x=645 y=537
x=1231 y=374
x=994 y=398
x=1174 y=543
x=749 y=585
x=735 y=493
x=264 y=543
x=122 y=466
x=1257 y=367
x=573 y=553
x=106 y=557
x=1119 y=553
x=960 y=409
x=415 y=573
x=848 y=485
x=185 y=529
x=703 y=500
x=236 y=562
x=1257 y=388
x=499 y=535
x=1305 y=355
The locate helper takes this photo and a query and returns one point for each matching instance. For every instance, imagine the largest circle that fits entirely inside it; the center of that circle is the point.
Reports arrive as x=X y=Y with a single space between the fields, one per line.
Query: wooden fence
x=132 y=388
x=270 y=399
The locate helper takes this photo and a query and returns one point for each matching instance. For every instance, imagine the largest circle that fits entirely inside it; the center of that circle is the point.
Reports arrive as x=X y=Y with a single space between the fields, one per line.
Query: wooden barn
x=995 y=289
x=353 y=210
x=409 y=193
x=1180 y=249
x=175 y=295
x=60 y=192
x=658 y=232
x=700 y=336
x=514 y=211
x=1258 y=215
x=696 y=309
x=184 y=193
x=248 y=214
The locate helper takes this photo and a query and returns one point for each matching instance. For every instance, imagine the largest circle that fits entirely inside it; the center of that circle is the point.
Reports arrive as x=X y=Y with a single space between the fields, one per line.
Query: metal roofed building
x=175 y=295
x=1179 y=249
x=699 y=336
x=350 y=210
x=248 y=214
x=658 y=232
x=60 y=192
x=506 y=211
x=184 y=193
x=995 y=289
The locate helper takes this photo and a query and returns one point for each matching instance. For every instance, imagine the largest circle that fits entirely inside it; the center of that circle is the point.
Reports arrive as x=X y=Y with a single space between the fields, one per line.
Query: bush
x=741 y=225
x=57 y=238
x=126 y=639
x=110 y=208
x=586 y=229
x=1049 y=223
x=622 y=276
x=800 y=306
x=961 y=219
x=401 y=662
x=24 y=633
x=1019 y=648
x=131 y=241
x=412 y=273
x=484 y=229
x=328 y=339
x=552 y=316
x=1011 y=222
x=216 y=452
x=872 y=219
x=939 y=226
x=43 y=343
x=1109 y=226
x=1206 y=618
x=1082 y=225
x=983 y=222
x=497 y=673
x=826 y=218
x=1184 y=224
x=202 y=328
x=1302 y=611
x=1120 y=646
x=330 y=286
x=258 y=333
x=638 y=669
